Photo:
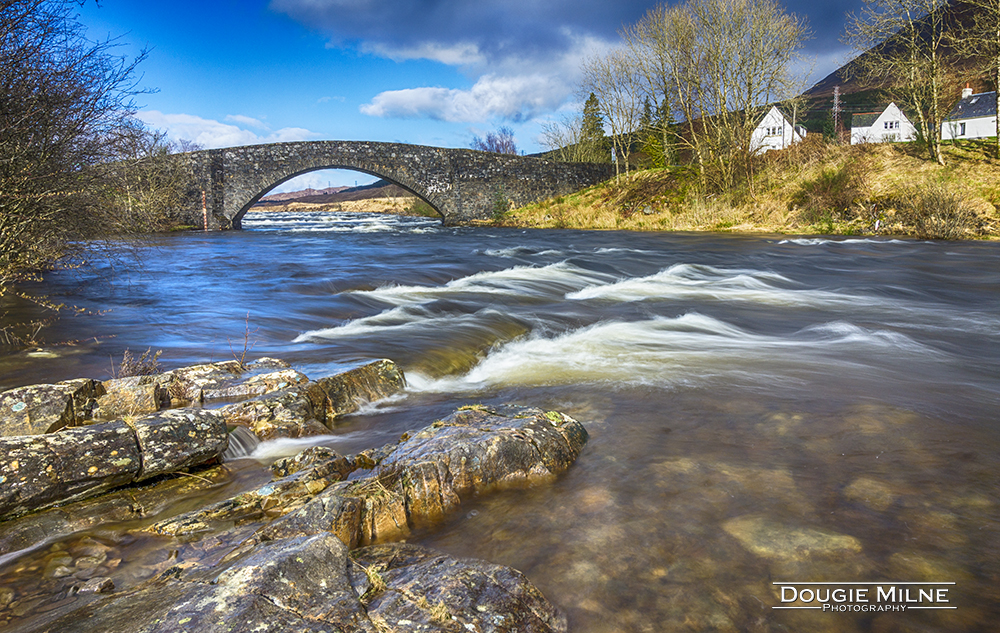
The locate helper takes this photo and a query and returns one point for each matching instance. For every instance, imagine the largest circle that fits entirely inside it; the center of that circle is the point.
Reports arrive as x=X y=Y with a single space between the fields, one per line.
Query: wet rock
x=772 y=540
x=349 y=391
x=292 y=412
x=312 y=584
x=305 y=459
x=39 y=471
x=428 y=591
x=130 y=397
x=413 y=483
x=99 y=584
x=38 y=409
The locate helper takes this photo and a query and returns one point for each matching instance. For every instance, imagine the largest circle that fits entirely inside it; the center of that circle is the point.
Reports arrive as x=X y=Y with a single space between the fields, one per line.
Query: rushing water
x=761 y=409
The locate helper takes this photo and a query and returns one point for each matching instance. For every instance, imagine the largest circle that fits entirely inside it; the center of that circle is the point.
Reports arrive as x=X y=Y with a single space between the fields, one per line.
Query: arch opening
x=337 y=184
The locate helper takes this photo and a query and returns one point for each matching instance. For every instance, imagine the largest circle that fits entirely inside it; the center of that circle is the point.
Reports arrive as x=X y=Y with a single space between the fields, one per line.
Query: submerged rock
x=38 y=471
x=38 y=409
x=769 y=539
x=311 y=583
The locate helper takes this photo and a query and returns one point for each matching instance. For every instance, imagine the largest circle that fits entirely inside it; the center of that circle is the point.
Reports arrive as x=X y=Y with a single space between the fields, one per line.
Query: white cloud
x=458 y=54
x=247 y=121
x=212 y=134
x=512 y=98
x=520 y=89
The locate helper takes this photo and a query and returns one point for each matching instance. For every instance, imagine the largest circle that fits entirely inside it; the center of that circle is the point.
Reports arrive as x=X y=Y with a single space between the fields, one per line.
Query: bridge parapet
x=461 y=184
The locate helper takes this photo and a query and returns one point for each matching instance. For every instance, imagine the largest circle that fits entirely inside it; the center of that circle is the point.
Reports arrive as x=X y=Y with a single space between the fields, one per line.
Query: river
x=761 y=409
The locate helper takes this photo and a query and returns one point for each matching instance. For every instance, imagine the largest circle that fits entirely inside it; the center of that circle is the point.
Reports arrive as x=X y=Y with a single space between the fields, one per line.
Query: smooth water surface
x=761 y=409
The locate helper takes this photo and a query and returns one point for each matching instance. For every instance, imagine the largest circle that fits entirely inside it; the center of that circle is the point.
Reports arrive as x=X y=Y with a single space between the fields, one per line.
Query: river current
x=761 y=409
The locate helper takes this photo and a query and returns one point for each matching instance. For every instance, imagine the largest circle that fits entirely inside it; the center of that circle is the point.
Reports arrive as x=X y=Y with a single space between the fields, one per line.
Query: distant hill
x=857 y=97
x=333 y=195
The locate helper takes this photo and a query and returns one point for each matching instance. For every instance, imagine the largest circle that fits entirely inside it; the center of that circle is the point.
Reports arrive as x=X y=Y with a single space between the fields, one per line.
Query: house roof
x=864 y=119
x=983 y=104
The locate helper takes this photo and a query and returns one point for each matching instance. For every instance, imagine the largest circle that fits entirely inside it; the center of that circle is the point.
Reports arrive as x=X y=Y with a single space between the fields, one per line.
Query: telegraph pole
x=836 y=112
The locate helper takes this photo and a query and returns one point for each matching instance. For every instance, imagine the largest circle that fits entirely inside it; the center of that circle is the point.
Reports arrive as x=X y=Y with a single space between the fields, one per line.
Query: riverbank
x=812 y=188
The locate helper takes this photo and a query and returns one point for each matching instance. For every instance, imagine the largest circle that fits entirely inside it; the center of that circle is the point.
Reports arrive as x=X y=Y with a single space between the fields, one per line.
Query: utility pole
x=836 y=112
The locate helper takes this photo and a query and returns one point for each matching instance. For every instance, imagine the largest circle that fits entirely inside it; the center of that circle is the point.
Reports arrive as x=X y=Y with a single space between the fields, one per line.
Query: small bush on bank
x=147 y=364
x=935 y=212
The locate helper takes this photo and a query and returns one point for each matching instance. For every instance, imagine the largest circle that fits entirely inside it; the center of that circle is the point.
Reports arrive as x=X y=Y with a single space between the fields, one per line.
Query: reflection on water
x=760 y=410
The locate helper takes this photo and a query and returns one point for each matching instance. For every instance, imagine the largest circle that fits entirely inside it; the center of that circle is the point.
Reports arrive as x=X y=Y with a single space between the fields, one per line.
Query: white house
x=888 y=126
x=775 y=132
x=974 y=116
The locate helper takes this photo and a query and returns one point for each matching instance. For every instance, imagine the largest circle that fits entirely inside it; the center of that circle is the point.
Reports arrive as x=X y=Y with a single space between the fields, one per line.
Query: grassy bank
x=812 y=188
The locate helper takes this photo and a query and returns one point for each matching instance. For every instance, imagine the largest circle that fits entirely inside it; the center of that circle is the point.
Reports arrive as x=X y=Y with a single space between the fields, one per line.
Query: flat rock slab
x=312 y=583
x=39 y=471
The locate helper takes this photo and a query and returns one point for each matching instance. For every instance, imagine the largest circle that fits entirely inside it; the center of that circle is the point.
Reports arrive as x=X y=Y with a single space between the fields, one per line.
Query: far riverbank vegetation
x=78 y=170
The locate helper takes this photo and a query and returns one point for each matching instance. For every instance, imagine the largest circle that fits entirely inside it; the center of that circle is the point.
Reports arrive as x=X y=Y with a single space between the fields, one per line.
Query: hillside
x=333 y=195
x=378 y=197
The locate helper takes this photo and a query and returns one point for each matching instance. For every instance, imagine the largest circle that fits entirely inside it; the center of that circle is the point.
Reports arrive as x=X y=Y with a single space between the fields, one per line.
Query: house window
x=891 y=125
x=961 y=129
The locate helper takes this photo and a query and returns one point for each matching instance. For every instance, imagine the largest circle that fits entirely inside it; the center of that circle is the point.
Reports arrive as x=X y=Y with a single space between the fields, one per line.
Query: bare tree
x=979 y=43
x=615 y=81
x=718 y=64
x=499 y=142
x=64 y=103
x=902 y=45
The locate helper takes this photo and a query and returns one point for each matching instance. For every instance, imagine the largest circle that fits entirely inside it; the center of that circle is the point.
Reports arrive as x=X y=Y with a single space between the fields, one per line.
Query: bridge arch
x=238 y=219
x=461 y=184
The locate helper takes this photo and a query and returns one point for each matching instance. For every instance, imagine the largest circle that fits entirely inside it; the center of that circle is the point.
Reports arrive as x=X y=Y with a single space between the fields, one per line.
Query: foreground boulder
x=47 y=408
x=312 y=583
x=39 y=471
x=413 y=483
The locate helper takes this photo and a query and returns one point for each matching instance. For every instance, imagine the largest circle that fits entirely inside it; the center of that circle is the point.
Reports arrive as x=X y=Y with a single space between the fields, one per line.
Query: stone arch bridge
x=461 y=184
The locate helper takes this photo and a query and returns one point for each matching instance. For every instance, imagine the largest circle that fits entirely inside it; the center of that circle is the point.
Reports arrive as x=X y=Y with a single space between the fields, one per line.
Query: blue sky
x=429 y=72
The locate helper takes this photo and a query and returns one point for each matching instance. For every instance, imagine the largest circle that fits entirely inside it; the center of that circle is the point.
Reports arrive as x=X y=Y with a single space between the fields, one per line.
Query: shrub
x=146 y=365
x=936 y=213
x=836 y=191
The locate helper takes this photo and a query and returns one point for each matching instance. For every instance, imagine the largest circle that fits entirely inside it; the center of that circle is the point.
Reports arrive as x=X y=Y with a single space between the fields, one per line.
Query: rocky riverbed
x=316 y=546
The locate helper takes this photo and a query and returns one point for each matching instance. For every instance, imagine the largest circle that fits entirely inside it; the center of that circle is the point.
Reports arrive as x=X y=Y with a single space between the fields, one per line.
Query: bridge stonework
x=461 y=184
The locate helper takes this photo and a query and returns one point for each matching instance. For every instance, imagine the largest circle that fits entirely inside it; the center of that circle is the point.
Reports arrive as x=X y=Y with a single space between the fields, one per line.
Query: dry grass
x=807 y=189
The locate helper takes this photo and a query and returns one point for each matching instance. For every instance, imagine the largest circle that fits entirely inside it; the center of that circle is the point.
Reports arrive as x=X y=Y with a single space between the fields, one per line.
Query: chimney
x=966 y=92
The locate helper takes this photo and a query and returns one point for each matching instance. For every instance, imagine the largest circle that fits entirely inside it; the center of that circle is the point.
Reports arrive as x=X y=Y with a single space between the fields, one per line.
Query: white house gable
x=774 y=132
x=888 y=126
